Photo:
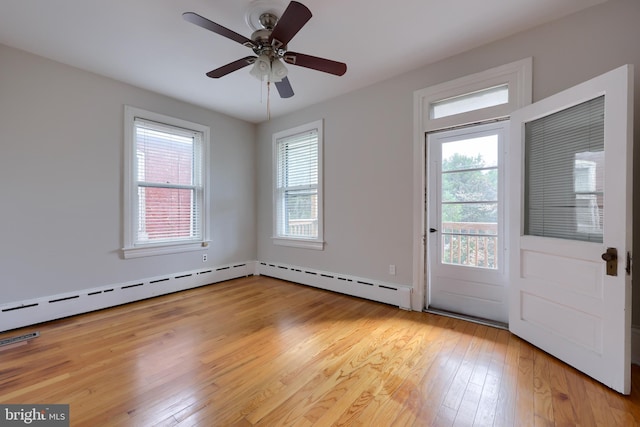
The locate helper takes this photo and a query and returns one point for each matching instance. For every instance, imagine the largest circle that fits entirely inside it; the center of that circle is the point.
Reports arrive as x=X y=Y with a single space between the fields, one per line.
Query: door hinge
x=627 y=266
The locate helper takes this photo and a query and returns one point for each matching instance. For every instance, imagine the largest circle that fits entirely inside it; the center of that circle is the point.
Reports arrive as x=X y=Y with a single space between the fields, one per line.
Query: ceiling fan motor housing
x=261 y=38
x=268 y=21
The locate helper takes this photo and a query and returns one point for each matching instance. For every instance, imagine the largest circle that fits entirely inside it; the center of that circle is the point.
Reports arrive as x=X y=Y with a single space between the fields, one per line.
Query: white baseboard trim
x=30 y=312
x=635 y=345
x=19 y=314
x=388 y=293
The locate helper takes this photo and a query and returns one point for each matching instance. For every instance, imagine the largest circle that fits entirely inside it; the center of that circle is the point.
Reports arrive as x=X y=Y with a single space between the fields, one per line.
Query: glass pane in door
x=469 y=202
x=564 y=173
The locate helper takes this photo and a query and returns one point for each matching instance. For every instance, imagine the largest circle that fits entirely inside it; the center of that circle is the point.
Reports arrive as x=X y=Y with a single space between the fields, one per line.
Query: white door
x=570 y=201
x=466 y=262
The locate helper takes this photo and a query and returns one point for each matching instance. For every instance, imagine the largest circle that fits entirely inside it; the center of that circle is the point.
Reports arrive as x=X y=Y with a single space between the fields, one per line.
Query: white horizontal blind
x=169 y=179
x=297 y=185
x=564 y=176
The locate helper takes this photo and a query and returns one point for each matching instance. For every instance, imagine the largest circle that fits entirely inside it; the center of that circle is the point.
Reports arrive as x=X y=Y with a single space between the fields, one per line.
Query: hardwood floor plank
x=542 y=397
x=260 y=351
x=506 y=404
x=563 y=409
x=485 y=415
x=525 y=388
x=577 y=391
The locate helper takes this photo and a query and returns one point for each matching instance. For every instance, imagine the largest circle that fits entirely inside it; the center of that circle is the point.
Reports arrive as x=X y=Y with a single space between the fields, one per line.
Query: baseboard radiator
x=25 y=313
x=398 y=295
x=19 y=314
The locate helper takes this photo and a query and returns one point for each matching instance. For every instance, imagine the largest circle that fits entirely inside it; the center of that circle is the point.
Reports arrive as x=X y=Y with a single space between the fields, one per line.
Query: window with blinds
x=297 y=183
x=564 y=173
x=169 y=182
x=166 y=182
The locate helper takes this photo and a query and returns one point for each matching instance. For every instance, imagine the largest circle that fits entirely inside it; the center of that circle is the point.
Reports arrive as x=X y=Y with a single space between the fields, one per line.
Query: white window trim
x=130 y=250
x=316 y=244
x=518 y=75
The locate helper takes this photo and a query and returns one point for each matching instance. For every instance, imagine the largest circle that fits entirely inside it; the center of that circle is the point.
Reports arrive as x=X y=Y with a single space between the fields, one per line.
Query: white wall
x=368 y=136
x=61 y=162
x=61 y=168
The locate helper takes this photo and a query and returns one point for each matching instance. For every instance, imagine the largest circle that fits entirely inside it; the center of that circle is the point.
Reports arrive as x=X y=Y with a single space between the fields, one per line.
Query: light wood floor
x=259 y=351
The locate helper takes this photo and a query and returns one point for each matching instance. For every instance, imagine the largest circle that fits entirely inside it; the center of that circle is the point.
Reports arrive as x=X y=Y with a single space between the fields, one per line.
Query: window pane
x=470 y=153
x=468 y=213
x=471 y=251
x=166 y=214
x=564 y=173
x=168 y=158
x=470 y=186
x=469 y=102
x=298 y=160
x=469 y=201
x=301 y=211
x=299 y=164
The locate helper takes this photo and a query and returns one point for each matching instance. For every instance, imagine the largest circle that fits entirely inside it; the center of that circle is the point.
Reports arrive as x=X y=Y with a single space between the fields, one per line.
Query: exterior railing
x=303 y=227
x=472 y=244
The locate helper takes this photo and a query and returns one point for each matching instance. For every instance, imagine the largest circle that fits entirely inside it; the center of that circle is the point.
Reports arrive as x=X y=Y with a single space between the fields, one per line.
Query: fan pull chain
x=261 y=92
x=268 y=100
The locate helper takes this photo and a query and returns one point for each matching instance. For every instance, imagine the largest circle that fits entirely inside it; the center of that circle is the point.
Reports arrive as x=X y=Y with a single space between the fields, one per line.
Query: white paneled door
x=570 y=226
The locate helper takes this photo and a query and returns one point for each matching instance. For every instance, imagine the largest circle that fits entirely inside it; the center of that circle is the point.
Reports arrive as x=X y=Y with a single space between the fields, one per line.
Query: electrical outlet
x=392 y=269
x=204 y=257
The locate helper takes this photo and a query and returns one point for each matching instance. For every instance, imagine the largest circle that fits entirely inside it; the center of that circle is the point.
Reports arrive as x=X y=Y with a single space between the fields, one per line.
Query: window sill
x=317 y=245
x=144 y=251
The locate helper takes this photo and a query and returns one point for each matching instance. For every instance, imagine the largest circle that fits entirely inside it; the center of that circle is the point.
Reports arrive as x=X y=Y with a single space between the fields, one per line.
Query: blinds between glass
x=564 y=180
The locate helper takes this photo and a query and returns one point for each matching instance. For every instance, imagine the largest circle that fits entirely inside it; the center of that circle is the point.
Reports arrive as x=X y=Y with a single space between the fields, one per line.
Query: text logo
x=34 y=415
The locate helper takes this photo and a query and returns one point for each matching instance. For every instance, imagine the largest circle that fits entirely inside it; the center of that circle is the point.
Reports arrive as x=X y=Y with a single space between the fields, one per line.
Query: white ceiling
x=147 y=43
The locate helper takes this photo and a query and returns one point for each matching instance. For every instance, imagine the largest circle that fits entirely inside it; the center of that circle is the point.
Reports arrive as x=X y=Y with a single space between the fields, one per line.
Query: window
x=165 y=184
x=467 y=102
x=564 y=181
x=476 y=98
x=469 y=187
x=298 y=186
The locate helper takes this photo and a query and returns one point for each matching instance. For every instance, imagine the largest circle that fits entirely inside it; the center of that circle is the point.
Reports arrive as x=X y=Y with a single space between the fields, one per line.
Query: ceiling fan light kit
x=269 y=44
x=267 y=68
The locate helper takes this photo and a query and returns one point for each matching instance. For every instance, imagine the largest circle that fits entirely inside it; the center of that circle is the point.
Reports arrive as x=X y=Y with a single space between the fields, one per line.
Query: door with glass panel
x=466 y=257
x=570 y=233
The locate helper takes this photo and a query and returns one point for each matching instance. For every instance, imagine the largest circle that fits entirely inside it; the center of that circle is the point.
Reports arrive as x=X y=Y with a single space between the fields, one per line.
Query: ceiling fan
x=269 y=43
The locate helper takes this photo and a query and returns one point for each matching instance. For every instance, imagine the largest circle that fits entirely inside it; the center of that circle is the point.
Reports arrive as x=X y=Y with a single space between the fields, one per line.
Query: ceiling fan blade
x=291 y=21
x=315 y=63
x=284 y=88
x=231 y=67
x=203 y=22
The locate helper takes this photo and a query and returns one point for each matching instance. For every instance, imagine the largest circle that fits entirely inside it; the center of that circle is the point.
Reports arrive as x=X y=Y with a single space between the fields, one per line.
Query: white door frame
x=518 y=75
